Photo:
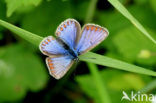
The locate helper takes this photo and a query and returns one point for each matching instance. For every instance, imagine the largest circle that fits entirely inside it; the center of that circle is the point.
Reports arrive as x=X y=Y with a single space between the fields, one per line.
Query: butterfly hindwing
x=91 y=36
x=58 y=66
x=69 y=32
x=50 y=46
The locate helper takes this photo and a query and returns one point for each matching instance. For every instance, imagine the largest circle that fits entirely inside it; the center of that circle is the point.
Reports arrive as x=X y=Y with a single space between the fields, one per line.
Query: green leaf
x=13 y=5
x=117 y=64
x=20 y=70
x=134 y=21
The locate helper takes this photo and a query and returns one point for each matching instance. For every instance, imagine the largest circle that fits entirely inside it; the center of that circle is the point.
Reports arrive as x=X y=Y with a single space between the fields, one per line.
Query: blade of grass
x=106 y=61
x=127 y=14
x=100 y=86
x=32 y=38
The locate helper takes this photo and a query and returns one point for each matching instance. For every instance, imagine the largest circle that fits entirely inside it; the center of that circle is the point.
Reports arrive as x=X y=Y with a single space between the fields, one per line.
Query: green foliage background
x=23 y=70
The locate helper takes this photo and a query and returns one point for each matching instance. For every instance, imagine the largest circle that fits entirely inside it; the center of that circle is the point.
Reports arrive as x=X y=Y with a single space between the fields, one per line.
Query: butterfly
x=70 y=42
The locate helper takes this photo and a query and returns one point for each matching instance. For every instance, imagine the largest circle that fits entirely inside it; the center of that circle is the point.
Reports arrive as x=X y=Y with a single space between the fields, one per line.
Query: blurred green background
x=24 y=77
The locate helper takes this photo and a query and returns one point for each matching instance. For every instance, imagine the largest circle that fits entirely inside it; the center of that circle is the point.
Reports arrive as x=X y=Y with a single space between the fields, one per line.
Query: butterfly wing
x=91 y=36
x=58 y=66
x=69 y=32
x=50 y=46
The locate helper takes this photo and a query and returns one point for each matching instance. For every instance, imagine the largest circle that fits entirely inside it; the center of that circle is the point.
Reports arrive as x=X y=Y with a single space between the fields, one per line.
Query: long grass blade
x=129 y=16
x=117 y=64
x=32 y=38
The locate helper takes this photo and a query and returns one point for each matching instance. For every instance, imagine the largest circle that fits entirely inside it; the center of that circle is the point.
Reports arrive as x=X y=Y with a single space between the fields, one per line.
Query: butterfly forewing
x=91 y=36
x=58 y=66
x=50 y=46
x=69 y=32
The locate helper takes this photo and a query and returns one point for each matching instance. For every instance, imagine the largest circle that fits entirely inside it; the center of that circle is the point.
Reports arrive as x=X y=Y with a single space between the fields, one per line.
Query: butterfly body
x=71 y=52
x=70 y=42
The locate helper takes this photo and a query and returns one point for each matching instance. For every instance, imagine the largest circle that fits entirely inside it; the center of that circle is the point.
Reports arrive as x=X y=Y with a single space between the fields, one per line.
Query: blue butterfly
x=70 y=42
